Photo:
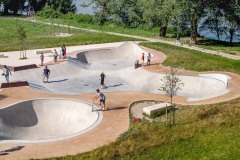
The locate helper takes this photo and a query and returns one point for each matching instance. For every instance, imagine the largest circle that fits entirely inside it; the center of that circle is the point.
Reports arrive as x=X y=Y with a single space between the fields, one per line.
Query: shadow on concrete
x=114 y=85
x=58 y=81
x=13 y=149
x=116 y=108
x=2 y=97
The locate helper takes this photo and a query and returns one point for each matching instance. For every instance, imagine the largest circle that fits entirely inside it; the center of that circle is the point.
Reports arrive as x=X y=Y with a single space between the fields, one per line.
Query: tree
x=13 y=5
x=194 y=11
x=103 y=9
x=21 y=35
x=64 y=6
x=232 y=18
x=171 y=85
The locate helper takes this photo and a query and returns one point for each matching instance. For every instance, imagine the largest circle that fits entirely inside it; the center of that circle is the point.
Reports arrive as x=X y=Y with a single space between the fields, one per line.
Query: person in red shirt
x=142 y=58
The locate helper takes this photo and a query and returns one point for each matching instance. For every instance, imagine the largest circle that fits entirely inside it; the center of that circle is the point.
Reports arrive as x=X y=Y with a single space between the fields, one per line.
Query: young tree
x=171 y=85
x=21 y=35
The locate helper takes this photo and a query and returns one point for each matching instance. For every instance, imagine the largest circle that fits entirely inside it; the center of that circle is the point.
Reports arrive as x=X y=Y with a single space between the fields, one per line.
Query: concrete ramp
x=42 y=120
x=111 y=59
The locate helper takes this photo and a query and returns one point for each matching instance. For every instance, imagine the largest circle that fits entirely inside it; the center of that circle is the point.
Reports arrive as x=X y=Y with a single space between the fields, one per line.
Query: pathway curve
x=234 y=57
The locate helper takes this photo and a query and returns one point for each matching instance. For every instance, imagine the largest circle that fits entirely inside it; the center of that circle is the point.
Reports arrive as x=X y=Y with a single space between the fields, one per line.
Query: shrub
x=48 y=12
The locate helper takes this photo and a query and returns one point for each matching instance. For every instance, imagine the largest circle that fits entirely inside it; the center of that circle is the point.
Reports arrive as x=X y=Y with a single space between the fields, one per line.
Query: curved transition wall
x=111 y=59
x=46 y=120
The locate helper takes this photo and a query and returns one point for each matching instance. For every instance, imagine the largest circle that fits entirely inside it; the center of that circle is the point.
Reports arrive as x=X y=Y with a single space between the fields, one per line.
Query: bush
x=48 y=12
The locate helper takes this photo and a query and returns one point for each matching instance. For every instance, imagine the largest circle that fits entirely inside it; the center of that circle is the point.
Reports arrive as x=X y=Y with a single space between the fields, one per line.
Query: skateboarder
x=46 y=74
x=102 y=75
x=102 y=99
x=42 y=58
x=6 y=72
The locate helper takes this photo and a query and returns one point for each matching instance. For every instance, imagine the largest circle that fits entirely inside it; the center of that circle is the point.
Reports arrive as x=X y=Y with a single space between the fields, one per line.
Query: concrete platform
x=157 y=107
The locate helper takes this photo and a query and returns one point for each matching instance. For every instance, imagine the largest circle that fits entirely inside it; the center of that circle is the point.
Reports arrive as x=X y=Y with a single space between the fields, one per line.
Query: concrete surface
x=44 y=120
x=118 y=66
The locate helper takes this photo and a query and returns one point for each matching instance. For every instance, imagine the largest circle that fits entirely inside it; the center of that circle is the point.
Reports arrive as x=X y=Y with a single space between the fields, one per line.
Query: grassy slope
x=201 y=132
x=194 y=60
x=41 y=36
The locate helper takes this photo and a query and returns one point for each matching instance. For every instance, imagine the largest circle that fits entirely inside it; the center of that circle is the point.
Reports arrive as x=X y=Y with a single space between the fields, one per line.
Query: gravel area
x=137 y=109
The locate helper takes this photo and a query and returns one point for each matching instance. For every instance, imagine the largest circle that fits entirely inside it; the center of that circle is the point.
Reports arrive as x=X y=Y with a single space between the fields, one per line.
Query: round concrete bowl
x=43 y=120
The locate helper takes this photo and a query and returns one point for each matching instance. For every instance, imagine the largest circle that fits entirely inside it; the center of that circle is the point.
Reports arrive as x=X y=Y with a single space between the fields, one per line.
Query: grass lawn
x=202 y=132
x=42 y=36
x=153 y=33
x=194 y=60
x=220 y=47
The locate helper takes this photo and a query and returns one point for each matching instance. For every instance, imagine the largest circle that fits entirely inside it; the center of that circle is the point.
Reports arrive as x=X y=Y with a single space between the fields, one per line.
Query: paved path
x=147 y=39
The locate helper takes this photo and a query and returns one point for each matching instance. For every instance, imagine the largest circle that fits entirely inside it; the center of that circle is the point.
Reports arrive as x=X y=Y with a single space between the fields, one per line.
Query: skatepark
x=59 y=113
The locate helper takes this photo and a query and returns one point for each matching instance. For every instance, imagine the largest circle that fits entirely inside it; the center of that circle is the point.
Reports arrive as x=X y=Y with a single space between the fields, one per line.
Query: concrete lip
x=46 y=120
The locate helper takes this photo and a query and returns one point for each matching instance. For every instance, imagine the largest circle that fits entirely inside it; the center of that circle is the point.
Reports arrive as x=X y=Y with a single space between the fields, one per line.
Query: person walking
x=102 y=99
x=42 y=58
x=102 y=75
x=142 y=59
x=6 y=72
x=55 y=55
x=46 y=74
x=148 y=59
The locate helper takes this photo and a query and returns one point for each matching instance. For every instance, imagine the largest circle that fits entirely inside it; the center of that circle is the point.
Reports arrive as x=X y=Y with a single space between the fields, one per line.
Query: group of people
x=148 y=58
x=63 y=53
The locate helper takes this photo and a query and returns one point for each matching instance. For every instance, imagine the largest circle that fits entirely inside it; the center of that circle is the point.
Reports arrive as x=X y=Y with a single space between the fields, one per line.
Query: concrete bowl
x=44 y=120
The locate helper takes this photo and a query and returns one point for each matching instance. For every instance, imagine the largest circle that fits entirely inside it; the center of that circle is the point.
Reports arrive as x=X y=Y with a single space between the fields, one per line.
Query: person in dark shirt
x=102 y=75
x=46 y=74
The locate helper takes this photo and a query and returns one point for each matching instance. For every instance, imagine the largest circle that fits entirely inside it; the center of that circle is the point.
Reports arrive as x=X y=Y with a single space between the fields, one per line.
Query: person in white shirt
x=102 y=99
x=148 y=59
x=55 y=55
x=6 y=72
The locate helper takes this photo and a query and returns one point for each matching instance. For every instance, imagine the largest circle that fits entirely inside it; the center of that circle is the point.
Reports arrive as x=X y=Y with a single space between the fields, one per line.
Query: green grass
x=153 y=33
x=202 y=132
x=194 y=60
x=42 y=36
x=220 y=46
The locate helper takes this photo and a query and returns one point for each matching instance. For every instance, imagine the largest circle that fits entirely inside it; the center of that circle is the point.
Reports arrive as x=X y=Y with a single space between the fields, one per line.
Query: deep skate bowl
x=44 y=120
x=112 y=59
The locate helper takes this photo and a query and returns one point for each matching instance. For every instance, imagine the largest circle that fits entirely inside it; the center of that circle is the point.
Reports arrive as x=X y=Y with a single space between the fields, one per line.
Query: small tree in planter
x=21 y=35
x=171 y=85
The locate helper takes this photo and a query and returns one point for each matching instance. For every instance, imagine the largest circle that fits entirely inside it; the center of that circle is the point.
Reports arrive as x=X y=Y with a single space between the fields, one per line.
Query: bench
x=43 y=51
x=1 y=55
x=157 y=107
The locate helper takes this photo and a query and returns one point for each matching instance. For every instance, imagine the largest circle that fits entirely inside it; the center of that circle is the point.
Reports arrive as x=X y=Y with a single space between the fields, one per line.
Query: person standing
x=55 y=55
x=102 y=99
x=148 y=59
x=102 y=75
x=42 y=58
x=46 y=74
x=63 y=50
x=142 y=59
x=6 y=72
